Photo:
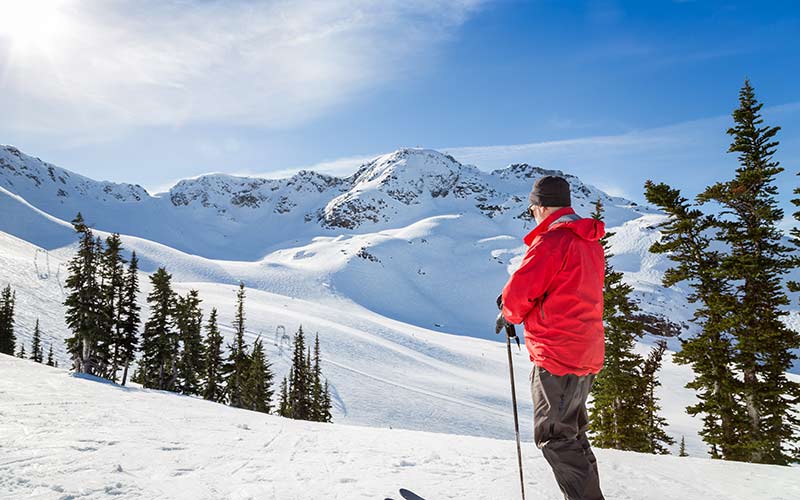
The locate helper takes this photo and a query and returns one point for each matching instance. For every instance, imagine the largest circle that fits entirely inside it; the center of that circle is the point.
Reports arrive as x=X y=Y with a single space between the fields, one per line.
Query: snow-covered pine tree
x=238 y=362
x=686 y=239
x=160 y=339
x=682 y=449
x=21 y=353
x=616 y=410
x=129 y=320
x=189 y=321
x=36 y=344
x=83 y=304
x=757 y=262
x=112 y=273
x=648 y=383
x=50 y=361
x=8 y=341
x=213 y=383
x=257 y=392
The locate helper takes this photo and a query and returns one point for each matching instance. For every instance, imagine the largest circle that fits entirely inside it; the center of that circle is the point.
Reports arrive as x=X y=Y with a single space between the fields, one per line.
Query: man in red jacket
x=557 y=292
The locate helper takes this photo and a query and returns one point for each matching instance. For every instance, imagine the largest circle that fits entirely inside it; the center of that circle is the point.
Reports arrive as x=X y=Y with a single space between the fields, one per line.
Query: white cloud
x=102 y=66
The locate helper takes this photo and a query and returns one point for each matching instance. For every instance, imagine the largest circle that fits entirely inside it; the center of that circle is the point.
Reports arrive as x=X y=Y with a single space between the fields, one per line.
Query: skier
x=557 y=292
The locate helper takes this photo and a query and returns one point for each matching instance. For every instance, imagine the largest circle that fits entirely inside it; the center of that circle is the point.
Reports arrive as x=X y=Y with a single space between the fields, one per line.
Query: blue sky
x=613 y=91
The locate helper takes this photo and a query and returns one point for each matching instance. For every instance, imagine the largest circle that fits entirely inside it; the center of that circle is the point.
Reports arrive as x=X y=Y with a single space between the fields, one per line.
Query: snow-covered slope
x=383 y=372
x=413 y=235
x=386 y=265
x=141 y=444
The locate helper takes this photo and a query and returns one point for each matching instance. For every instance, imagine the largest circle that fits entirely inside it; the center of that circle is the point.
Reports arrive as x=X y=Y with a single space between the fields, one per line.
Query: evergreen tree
x=617 y=412
x=757 y=262
x=21 y=353
x=682 y=449
x=300 y=404
x=213 y=388
x=129 y=318
x=284 y=405
x=189 y=321
x=112 y=272
x=654 y=423
x=36 y=346
x=7 y=338
x=317 y=395
x=320 y=398
x=160 y=339
x=238 y=362
x=325 y=413
x=87 y=345
x=686 y=239
x=257 y=391
x=50 y=361
x=104 y=342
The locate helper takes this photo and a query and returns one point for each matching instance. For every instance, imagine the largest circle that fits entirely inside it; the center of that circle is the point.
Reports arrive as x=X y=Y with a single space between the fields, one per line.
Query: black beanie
x=550 y=191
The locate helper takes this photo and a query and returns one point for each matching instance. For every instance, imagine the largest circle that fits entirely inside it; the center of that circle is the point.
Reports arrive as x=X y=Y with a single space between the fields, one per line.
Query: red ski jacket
x=558 y=293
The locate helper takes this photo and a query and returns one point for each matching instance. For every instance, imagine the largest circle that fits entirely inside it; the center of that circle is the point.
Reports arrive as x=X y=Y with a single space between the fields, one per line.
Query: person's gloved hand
x=501 y=324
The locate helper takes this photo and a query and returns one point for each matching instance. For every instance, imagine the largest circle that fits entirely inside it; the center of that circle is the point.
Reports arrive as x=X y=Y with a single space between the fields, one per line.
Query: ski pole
x=511 y=332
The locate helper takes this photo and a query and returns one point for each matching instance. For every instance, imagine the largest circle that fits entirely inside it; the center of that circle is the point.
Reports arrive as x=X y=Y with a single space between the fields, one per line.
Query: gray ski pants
x=560 y=421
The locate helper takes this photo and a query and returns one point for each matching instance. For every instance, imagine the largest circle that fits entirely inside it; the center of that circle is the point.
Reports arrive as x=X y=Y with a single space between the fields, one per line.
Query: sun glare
x=31 y=23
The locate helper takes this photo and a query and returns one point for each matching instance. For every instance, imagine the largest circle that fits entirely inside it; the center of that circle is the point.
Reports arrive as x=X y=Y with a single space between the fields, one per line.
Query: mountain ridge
x=415 y=222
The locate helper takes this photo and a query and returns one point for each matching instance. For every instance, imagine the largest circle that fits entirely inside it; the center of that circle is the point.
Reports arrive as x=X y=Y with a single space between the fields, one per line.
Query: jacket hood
x=588 y=229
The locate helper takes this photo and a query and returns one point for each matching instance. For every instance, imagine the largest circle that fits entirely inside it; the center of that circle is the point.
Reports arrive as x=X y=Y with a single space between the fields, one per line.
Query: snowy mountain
x=396 y=266
x=142 y=444
x=410 y=235
x=391 y=191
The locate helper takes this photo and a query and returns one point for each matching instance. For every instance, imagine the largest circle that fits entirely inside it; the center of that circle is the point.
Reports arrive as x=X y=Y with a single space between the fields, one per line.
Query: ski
x=408 y=495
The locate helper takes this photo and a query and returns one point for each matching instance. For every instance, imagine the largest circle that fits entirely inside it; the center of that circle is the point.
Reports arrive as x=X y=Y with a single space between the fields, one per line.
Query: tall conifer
x=160 y=339
x=686 y=237
x=8 y=339
x=757 y=263
x=189 y=321
x=284 y=405
x=84 y=306
x=654 y=423
x=36 y=345
x=300 y=382
x=112 y=271
x=213 y=383
x=257 y=392
x=50 y=361
x=617 y=410
x=238 y=360
x=129 y=320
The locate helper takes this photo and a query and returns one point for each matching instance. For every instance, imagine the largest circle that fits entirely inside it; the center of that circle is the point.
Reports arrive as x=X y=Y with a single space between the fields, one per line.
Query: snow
x=413 y=235
x=403 y=302
x=375 y=364
x=66 y=437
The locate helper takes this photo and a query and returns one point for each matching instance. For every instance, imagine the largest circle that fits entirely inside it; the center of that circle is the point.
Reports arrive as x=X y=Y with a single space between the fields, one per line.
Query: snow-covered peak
x=211 y=211
x=418 y=167
x=32 y=178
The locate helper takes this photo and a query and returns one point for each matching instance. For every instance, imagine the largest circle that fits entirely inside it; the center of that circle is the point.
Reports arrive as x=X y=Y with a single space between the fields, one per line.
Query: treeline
x=8 y=338
x=175 y=353
x=727 y=246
